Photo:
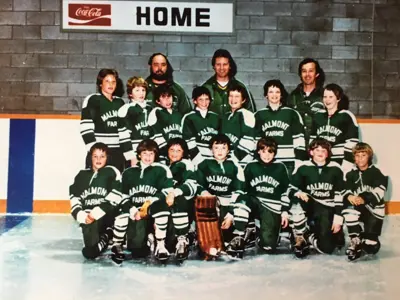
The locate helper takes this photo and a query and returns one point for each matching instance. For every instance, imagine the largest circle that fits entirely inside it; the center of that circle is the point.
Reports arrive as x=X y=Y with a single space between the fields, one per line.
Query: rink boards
x=41 y=154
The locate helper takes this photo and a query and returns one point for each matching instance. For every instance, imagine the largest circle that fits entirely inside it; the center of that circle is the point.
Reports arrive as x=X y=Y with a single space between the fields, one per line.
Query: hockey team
x=295 y=166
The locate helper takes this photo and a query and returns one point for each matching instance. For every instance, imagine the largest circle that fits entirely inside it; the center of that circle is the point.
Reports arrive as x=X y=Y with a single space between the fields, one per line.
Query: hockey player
x=318 y=187
x=200 y=125
x=164 y=122
x=267 y=183
x=95 y=194
x=99 y=119
x=222 y=177
x=282 y=123
x=132 y=123
x=239 y=125
x=364 y=202
x=146 y=192
x=337 y=125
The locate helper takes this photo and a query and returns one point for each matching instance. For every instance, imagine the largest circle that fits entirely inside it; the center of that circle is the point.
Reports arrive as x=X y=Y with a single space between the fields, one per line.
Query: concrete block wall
x=45 y=70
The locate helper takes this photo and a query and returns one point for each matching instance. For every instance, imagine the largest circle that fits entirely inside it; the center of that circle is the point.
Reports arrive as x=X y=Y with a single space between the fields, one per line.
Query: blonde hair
x=363 y=147
x=135 y=82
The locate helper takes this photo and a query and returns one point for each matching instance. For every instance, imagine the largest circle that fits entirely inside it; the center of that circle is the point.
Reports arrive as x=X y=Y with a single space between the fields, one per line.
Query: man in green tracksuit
x=306 y=98
x=267 y=183
x=224 y=78
x=95 y=195
x=161 y=75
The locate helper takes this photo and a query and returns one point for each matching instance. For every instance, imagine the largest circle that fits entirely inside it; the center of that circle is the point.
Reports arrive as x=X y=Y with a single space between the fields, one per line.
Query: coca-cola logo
x=89 y=14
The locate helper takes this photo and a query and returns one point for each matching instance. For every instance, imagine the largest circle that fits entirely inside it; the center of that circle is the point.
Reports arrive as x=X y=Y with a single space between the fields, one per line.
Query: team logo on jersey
x=89 y=14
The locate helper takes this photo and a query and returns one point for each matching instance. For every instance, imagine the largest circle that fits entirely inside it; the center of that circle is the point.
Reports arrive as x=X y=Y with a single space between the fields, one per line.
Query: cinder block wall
x=44 y=70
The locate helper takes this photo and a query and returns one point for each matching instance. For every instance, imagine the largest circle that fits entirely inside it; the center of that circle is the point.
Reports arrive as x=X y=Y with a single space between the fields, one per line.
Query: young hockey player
x=200 y=125
x=337 y=125
x=146 y=192
x=185 y=188
x=222 y=177
x=95 y=195
x=164 y=122
x=238 y=125
x=132 y=123
x=318 y=187
x=99 y=120
x=364 y=202
x=282 y=123
x=267 y=183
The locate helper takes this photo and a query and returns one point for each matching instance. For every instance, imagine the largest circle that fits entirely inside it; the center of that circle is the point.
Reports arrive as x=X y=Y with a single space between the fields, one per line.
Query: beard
x=158 y=76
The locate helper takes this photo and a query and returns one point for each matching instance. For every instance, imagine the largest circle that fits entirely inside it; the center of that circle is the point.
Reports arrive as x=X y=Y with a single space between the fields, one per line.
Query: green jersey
x=198 y=128
x=286 y=126
x=370 y=185
x=184 y=178
x=141 y=183
x=341 y=130
x=99 y=120
x=306 y=105
x=101 y=188
x=239 y=127
x=269 y=183
x=133 y=127
x=181 y=101
x=219 y=95
x=323 y=184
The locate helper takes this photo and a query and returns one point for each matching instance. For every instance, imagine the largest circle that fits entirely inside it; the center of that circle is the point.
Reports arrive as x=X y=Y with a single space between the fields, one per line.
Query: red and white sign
x=147 y=16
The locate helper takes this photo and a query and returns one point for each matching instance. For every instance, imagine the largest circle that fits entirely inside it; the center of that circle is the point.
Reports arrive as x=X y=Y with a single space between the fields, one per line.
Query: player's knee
x=90 y=252
x=371 y=246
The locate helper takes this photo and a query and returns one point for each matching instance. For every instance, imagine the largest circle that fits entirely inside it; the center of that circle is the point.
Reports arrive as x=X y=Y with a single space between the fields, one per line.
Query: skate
x=301 y=248
x=235 y=248
x=182 y=248
x=353 y=252
x=161 y=252
x=117 y=254
x=250 y=236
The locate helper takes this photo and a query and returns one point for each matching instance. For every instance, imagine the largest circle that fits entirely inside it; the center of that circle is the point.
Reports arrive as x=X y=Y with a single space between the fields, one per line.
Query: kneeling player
x=267 y=183
x=363 y=202
x=318 y=186
x=95 y=194
x=146 y=192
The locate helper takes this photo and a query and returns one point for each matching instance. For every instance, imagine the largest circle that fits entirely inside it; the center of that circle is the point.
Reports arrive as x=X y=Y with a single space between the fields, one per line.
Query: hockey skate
x=161 y=252
x=182 y=248
x=250 y=235
x=353 y=252
x=117 y=254
x=235 y=248
x=301 y=247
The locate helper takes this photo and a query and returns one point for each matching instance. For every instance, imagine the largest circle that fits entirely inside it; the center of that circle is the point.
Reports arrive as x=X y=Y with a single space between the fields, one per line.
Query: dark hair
x=321 y=77
x=162 y=90
x=220 y=139
x=102 y=74
x=323 y=143
x=276 y=83
x=169 y=71
x=98 y=146
x=241 y=90
x=225 y=53
x=340 y=95
x=148 y=145
x=181 y=142
x=199 y=91
x=267 y=142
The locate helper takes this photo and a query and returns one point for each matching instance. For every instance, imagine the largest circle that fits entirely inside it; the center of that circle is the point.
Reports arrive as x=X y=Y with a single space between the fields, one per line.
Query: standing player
x=364 y=202
x=95 y=194
x=99 y=120
x=267 y=183
x=239 y=125
x=318 y=186
x=200 y=125
x=282 y=123
x=132 y=124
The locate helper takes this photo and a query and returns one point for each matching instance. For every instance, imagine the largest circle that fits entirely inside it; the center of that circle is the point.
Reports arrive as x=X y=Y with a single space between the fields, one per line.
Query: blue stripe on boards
x=21 y=166
x=9 y=222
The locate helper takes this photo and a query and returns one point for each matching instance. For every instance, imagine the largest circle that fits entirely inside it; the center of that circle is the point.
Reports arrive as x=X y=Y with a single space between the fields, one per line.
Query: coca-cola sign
x=89 y=14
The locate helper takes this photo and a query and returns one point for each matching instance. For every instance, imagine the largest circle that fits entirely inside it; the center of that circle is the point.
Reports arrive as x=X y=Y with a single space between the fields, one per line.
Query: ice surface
x=41 y=259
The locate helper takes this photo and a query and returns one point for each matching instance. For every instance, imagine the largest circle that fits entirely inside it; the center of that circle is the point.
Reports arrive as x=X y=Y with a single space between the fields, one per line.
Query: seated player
x=267 y=183
x=185 y=187
x=200 y=125
x=318 y=186
x=145 y=190
x=95 y=194
x=364 y=202
x=222 y=177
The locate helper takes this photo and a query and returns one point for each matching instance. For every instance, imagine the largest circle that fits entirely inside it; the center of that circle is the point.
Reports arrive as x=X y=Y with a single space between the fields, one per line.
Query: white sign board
x=148 y=16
